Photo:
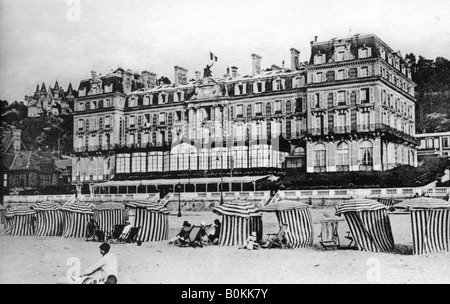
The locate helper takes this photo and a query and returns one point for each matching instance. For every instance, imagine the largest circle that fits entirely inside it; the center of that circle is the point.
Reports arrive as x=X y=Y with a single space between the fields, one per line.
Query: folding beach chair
x=329 y=236
x=193 y=239
x=113 y=236
x=206 y=240
x=351 y=239
x=277 y=239
x=132 y=236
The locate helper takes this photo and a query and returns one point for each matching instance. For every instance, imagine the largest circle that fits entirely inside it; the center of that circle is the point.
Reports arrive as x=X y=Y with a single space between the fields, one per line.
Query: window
x=320 y=158
x=258 y=109
x=259 y=87
x=249 y=111
x=445 y=142
x=123 y=163
x=366 y=153
x=162 y=118
x=87 y=124
x=317 y=100
x=319 y=59
x=318 y=77
x=288 y=107
x=340 y=74
x=278 y=106
x=299 y=105
x=365 y=120
x=132 y=121
x=342 y=120
x=138 y=162
x=342 y=157
x=100 y=104
x=268 y=109
x=80 y=124
x=155 y=161
x=365 y=96
x=353 y=73
x=239 y=111
x=340 y=56
x=364 y=72
x=100 y=123
x=341 y=98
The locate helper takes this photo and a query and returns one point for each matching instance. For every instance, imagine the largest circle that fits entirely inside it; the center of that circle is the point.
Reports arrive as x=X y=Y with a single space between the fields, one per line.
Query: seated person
x=184 y=232
x=109 y=280
x=251 y=242
x=104 y=268
x=214 y=237
x=125 y=230
x=203 y=235
x=91 y=227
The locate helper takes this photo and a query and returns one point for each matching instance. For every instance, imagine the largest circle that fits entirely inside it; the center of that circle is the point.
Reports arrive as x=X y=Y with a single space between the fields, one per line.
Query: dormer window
x=241 y=89
x=340 y=56
x=365 y=52
x=319 y=58
x=364 y=72
x=259 y=87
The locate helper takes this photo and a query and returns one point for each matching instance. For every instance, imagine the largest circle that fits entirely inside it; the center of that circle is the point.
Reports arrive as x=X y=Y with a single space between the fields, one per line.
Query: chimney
x=295 y=55
x=180 y=76
x=148 y=79
x=315 y=38
x=234 y=72
x=256 y=65
x=197 y=75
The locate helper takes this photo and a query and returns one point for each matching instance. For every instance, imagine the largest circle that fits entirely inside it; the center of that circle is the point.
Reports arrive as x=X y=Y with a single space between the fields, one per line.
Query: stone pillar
x=377 y=154
x=309 y=158
x=354 y=155
x=331 y=157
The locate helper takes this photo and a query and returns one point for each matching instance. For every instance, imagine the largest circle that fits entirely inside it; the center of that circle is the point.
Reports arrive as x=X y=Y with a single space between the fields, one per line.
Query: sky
x=49 y=40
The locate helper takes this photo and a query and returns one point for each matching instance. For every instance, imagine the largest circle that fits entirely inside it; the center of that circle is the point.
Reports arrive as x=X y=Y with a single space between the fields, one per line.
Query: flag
x=213 y=57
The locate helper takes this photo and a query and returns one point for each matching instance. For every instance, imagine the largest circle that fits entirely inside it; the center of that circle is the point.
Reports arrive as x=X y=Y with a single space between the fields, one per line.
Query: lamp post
x=221 y=179
x=179 y=200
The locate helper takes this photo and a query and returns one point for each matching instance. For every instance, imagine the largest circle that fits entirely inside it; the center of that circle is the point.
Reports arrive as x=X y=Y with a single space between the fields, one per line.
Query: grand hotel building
x=350 y=109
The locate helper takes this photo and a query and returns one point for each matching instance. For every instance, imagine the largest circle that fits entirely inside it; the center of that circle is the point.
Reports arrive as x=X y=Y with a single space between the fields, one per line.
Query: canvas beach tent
x=239 y=220
x=430 y=221
x=107 y=215
x=152 y=218
x=297 y=216
x=369 y=224
x=49 y=219
x=20 y=221
x=76 y=216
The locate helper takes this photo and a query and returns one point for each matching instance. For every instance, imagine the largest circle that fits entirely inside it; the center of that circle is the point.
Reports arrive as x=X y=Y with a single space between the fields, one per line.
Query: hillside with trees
x=432 y=78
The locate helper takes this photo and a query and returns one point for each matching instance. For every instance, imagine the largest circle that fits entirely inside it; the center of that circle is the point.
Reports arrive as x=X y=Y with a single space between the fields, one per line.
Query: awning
x=159 y=182
x=423 y=203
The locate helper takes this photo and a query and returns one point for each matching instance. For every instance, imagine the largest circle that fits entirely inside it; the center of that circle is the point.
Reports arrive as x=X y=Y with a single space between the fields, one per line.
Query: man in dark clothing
x=214 y=238
x=184 y=232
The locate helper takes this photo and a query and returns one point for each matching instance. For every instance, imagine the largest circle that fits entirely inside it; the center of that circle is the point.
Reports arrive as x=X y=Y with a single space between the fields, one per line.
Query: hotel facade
x=351 y=108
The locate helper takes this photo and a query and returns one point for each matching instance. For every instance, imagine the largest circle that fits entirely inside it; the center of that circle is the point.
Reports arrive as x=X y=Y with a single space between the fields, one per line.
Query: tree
x=436 y=122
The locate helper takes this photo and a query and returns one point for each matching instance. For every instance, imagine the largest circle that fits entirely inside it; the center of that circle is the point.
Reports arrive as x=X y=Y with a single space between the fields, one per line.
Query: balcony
x=317 y=131
x=397 y=133
x=366 y=127
x=342 y=130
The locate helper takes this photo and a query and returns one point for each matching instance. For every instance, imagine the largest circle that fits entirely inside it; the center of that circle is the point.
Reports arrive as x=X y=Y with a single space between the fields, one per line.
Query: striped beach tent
x=430 y=221
x=369 y=224
x=20 y=221
x=49 y=219
x=107 y=215
x=239 y=220
x=297 y=216
x=152 y=218
x=76 y=216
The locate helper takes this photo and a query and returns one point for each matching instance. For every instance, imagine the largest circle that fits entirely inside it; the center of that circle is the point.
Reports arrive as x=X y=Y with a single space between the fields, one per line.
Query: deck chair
x=132 y=236
x=351 y=239
x=329 y=236
x=277 y=239
x=113 y=236
x=193 y=239
x=94 y=234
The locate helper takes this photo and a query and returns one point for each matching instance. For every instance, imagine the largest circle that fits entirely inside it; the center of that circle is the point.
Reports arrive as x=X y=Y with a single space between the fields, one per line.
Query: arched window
x=342 y=156
x=366 y=155
x=320 y=158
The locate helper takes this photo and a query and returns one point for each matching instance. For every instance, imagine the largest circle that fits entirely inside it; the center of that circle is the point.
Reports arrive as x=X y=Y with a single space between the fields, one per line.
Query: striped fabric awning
x=238 y=208
x=19 y=210
x=150 y=206
x=78 y=207
x=423 y=203
x=359 y=205
x=46 y=206
x=284 y=205
x=110 y=206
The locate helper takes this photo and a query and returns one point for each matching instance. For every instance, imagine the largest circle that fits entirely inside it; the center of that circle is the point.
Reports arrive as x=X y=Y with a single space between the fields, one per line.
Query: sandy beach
x=44 y=259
